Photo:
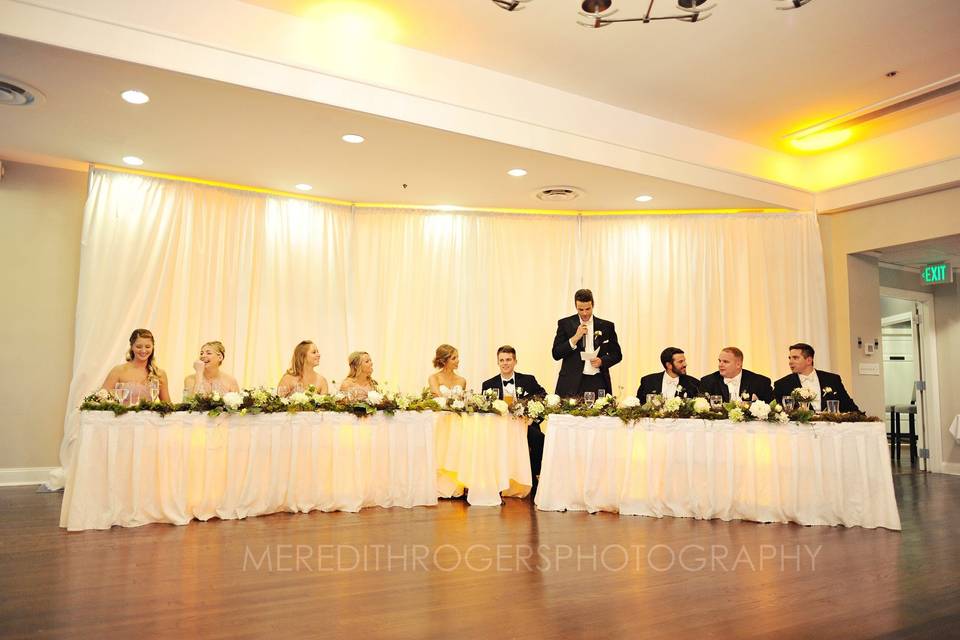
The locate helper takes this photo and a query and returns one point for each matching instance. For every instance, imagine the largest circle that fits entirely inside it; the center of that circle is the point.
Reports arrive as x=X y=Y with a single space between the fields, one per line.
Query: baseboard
x=29 y=475
x=953 y=468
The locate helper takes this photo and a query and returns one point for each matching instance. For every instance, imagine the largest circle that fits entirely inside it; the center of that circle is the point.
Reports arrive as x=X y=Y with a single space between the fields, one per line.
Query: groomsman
x=585 y=333
x=673 y=380
x=520 y=385
x=731 y=380
x=826 y=385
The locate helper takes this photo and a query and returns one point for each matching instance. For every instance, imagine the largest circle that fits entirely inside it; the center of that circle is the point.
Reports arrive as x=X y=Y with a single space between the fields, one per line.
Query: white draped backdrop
x=195 y=263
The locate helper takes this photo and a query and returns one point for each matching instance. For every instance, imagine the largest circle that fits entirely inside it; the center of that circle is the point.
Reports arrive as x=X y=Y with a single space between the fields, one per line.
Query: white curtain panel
x=194 y=263
x=703 y=282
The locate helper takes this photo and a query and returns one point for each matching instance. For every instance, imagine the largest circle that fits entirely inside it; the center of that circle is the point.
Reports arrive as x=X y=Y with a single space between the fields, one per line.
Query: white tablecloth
x=484 y=452
x=141 y=468
x=823 y=474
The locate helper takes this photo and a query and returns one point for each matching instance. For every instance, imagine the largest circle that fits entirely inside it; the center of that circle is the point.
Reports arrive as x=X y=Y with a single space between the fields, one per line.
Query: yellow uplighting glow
x=352 y=21
x=822 y=140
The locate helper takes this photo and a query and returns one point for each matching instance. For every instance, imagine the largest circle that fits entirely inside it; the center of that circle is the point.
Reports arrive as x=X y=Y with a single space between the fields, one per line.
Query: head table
x=811 y=474
x=141 y=467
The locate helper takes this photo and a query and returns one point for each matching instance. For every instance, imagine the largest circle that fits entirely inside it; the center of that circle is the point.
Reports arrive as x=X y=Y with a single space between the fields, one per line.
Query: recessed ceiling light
x=352 y=138
x=517 y=173
x=304 y=187
x=643 y=198
x=135 y=97
x=133 y=161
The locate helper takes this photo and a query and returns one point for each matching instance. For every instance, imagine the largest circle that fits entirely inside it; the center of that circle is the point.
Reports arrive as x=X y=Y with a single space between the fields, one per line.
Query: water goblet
x=154 y=390
x=651 y=397
x=589 y=397
x=788 y=403
x=602 y=393
x=716 y=402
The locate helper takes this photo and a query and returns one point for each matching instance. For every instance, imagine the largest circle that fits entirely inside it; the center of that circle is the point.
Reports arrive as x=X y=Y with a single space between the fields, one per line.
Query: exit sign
x=937 y=273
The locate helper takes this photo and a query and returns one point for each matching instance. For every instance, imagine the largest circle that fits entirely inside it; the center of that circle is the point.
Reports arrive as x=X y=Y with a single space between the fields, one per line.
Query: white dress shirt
x=588 y=369
x=511 y=388
x=733 y=385
x=812 y=382
x=668 y=388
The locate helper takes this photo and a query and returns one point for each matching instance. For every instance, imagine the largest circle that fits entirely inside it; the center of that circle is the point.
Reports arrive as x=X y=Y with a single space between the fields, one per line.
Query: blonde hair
x=218 y=347
x=299 y=357
x=353 y=360
x=444 y=353
x=152 y=369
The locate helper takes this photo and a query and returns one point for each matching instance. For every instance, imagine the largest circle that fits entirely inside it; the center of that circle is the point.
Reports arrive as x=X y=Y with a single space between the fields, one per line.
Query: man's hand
x=596 y=362
x=581 y=331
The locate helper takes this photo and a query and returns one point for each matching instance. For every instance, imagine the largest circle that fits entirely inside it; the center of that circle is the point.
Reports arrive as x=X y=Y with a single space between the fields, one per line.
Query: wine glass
x=154 y=390
x=124 y=392
x=118 y=392
x=651 y=397
x=589 y=397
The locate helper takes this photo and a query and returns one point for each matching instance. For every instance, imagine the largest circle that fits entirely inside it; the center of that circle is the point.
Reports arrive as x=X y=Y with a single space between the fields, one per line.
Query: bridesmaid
x=359 y=381
x=139 y=373
x=447 y=359
x=207 y=377
x=301 y=373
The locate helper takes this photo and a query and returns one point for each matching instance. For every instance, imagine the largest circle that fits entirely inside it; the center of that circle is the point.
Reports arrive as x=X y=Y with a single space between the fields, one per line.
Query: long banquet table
x=812 y=474
x=141 y=467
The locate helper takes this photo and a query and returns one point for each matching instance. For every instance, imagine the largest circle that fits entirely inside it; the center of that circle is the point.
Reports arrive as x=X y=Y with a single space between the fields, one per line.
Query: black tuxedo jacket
x=653 y=383
x=786 y=384
x=568 y=382
x=523 y=381
x=752 y=383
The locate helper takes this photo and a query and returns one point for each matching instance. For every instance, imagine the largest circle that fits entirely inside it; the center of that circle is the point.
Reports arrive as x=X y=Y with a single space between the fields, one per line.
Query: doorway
x=909 y=375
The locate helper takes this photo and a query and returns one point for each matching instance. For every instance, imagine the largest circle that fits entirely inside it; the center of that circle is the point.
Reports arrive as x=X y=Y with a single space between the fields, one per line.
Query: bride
x=447 y=359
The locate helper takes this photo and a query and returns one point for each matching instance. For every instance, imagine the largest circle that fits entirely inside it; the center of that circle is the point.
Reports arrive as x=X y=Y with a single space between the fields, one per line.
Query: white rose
x=736 y=414
x=601 y=402
x=760 y=409
x=284 y=401
x=216 y=396
x=500 y=406
x=783 y=417
x=459 y=405
x=233 y=400
x=535 y=409
x=441 y=402
x=477 y=400
x=552 y=400
x=103 y=395
x=517 y=410
x=629 y=403
x=572 y=402
x=339 y=397
x=701 y=405
x=673 y=404
x=374 y=397
x=444 y=391
x=403 y=402
x=299 y=398
x=519 y=391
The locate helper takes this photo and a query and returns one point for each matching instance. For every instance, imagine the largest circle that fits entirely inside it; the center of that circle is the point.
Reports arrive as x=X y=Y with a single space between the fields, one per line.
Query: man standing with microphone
x=588 y=348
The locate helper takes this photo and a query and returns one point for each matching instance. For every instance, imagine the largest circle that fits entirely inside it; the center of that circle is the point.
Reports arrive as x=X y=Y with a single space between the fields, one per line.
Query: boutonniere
x=827 y=390
x=597 y=334
x=745 y=395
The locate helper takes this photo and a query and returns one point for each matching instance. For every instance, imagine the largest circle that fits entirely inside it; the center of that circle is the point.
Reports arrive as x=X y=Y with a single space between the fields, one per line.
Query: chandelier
x=600 y=13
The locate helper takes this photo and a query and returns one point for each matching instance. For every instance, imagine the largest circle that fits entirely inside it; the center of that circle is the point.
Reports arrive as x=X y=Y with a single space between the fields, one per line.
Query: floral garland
x=258 y=400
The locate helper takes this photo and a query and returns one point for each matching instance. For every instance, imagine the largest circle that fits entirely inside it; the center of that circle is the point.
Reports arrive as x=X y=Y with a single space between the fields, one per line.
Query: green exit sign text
x=937 y=273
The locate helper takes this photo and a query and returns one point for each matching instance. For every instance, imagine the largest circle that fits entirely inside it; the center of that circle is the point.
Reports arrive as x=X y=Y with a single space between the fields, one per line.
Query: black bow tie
x=506 y=382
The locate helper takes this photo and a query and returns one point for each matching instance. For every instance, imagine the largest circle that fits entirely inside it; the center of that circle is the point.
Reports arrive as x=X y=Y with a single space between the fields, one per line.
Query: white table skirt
x=822 y=474
x=484 y=452
x=140 y=468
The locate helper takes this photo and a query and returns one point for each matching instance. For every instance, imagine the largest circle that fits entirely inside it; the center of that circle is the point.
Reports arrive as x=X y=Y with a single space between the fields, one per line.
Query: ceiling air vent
x=559 y=194
x=14 y=93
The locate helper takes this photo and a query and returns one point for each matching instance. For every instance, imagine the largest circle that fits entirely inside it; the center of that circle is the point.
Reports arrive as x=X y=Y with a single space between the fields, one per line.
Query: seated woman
x=300 y=376
x=358 y=382
x=447 y=359
x=208 y=378
x=139 y=374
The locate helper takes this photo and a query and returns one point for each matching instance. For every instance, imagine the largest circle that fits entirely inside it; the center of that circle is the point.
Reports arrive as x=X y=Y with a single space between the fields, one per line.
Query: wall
x=922 y=217
x=41 y=210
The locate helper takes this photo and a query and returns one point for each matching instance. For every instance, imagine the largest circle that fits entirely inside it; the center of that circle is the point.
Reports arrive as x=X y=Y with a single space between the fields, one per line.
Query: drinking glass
x=589 y=397
x=788 y=403
x=651 y=397
x=602 y=393
x=716 y=402
x=118 y=392
x=154 y=390
x=124 y=392
x=297 y=388
x=833 y=406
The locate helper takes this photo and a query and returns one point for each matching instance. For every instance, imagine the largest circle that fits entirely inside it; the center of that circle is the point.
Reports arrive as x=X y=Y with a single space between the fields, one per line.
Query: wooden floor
x=684 y=578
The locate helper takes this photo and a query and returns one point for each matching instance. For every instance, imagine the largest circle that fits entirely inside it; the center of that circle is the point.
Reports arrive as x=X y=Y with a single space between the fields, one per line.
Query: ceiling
x=749 y=72
x=217 y=131
x=920 y=254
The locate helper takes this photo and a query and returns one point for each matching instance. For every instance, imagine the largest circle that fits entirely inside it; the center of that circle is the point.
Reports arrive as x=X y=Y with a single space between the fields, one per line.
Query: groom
x=584 y=333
